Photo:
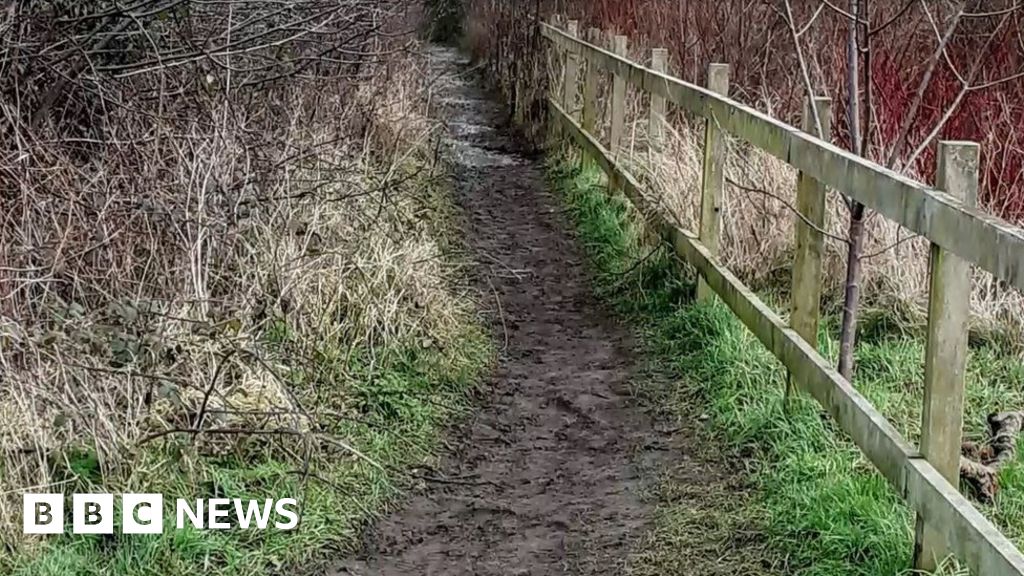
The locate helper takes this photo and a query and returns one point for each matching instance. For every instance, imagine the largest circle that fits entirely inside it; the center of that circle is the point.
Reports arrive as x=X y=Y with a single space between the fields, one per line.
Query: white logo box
x=144 y=513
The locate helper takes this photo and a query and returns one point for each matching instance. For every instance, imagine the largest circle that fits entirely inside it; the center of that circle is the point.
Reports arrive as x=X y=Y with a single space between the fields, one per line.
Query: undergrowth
x=404 y=403
x=378 y=410
x=820 y=505
x=240 y=280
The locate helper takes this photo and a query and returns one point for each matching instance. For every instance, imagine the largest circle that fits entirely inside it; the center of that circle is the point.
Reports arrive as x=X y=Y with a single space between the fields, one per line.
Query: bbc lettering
x=144 y=514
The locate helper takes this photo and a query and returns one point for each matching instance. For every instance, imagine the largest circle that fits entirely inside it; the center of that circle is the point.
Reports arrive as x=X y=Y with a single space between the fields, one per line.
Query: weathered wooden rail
x=960 y=233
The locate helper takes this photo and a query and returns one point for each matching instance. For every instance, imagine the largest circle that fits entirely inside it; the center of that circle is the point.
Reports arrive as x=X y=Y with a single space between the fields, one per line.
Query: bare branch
x=805 y=75
x=790 y=207
x=1002 y=12
x=811 y=21
x=908 y=119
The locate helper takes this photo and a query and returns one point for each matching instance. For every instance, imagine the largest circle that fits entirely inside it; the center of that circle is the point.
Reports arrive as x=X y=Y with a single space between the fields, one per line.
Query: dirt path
x=546 y=469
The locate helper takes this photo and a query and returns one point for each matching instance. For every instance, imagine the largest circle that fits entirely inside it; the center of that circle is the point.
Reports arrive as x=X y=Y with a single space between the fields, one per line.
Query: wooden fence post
x=618 y=120
x=590 y=87
x=659 y=63
x=713 y=180
x=571 y=70
x=805 y=300
x=945 y=359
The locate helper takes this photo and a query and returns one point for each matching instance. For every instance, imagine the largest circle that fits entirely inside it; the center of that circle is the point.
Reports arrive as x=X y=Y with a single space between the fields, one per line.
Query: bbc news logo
x=144 y=514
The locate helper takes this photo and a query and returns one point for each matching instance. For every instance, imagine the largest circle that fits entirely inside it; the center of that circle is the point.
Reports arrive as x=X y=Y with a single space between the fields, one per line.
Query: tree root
x=980 y=463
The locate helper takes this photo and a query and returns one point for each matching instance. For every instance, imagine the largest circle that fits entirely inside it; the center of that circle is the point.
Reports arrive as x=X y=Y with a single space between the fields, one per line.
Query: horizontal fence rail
x=993 y=244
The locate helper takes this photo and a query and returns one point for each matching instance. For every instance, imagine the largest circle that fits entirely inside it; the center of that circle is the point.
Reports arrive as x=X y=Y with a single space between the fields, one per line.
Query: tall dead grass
x=758 y=235
x=192 y=245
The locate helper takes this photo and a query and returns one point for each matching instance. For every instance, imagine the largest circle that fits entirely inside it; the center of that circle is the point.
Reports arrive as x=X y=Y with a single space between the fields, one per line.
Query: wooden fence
x=961 y=235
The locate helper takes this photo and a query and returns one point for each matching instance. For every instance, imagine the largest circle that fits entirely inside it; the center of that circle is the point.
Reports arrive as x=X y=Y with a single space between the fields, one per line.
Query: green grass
x=406 y=403
x=820 y=506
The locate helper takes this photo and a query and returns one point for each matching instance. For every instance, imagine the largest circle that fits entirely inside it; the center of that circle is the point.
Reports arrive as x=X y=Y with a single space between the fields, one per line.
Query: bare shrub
x=205 y=205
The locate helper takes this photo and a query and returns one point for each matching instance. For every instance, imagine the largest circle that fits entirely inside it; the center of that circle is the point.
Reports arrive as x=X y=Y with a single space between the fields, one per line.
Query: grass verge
x=406 y=403
x=820 y=505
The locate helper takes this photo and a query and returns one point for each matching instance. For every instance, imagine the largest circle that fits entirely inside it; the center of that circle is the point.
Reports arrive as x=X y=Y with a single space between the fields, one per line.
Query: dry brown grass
x=183 y=263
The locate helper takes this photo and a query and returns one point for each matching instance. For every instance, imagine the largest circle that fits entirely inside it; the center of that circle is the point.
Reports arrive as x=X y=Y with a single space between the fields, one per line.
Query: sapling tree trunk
x=851 y=297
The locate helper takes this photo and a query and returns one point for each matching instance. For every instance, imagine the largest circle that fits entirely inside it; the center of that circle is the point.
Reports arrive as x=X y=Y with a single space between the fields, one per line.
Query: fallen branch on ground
x=980 y=463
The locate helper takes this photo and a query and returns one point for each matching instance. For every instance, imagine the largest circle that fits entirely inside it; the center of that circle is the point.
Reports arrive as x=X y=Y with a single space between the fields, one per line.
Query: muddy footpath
x=545 y=476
